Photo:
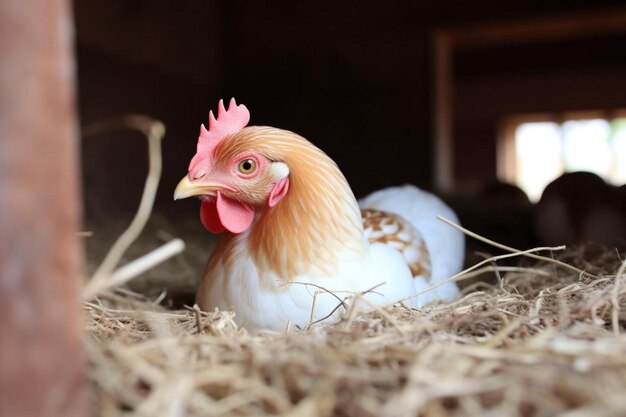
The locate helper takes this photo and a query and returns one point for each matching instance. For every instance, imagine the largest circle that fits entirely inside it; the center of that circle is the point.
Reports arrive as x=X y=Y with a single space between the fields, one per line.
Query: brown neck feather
x=318 y=217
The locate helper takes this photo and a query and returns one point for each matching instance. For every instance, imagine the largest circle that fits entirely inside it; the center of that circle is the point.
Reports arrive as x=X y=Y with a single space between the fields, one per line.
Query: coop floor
x=540 y=342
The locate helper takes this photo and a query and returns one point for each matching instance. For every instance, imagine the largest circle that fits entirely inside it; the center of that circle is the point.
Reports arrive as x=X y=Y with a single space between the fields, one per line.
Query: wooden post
x=42 y=366
x=443 y=169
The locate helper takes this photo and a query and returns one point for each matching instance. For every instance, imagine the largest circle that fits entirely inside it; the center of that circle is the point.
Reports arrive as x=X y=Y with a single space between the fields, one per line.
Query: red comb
x=228 y=122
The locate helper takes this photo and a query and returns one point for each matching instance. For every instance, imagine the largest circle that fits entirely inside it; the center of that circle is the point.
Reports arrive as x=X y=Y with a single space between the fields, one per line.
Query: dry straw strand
x=105 y=277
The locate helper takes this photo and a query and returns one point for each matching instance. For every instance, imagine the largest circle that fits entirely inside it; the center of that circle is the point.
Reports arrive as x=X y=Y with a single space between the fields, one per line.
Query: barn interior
x=514 y=113
x=426 y=93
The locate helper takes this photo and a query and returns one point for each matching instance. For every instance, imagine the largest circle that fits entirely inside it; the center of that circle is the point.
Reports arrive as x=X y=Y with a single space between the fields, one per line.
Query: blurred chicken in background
x=578 y=207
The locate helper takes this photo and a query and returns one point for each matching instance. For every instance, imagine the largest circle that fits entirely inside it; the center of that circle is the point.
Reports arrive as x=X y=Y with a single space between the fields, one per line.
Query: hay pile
x=541 y=341
x=545 y=339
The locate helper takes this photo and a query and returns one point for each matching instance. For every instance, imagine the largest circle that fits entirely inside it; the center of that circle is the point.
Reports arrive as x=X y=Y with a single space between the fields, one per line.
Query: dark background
x=354 y=77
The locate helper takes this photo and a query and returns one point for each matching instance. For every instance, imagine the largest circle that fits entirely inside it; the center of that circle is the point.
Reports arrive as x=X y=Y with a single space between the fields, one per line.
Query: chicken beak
x=187 y=188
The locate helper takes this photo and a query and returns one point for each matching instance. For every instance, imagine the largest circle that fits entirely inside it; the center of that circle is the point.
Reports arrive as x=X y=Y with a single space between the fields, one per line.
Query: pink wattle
x=223 y=213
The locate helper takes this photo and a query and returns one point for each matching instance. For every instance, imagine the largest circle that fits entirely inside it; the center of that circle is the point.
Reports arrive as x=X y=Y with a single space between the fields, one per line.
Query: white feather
x=303 y=301
x=445 y=244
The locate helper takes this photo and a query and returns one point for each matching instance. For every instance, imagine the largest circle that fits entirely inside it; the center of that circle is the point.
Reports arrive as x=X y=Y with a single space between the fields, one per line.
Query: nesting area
x=543 y=340
x=539 y=337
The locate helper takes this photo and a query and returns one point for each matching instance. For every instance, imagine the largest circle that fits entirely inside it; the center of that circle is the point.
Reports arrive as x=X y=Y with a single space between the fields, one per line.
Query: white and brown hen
x=294 y=237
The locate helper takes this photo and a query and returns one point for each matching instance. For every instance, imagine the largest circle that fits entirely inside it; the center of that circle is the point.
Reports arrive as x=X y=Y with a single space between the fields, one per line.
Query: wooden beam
x=443 y=169
x=42 y=366
x=550 y=28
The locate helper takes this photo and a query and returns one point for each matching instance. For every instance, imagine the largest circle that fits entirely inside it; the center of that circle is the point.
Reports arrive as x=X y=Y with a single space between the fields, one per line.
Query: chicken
x=296 y=244
x=580 y=207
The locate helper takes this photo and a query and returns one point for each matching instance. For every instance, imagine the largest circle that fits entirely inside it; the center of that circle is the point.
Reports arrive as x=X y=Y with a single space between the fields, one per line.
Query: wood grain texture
x=42 y=365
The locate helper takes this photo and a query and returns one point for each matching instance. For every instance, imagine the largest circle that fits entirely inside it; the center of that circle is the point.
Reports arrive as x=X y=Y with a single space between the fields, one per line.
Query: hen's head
x=232 y=173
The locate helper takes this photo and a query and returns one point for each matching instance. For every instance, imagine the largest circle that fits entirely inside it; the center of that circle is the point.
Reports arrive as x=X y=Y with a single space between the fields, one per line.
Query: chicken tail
x=445 y=244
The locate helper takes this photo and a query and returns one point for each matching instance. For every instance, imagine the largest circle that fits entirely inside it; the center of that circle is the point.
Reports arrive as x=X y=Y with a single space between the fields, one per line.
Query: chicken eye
x=247 y=166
